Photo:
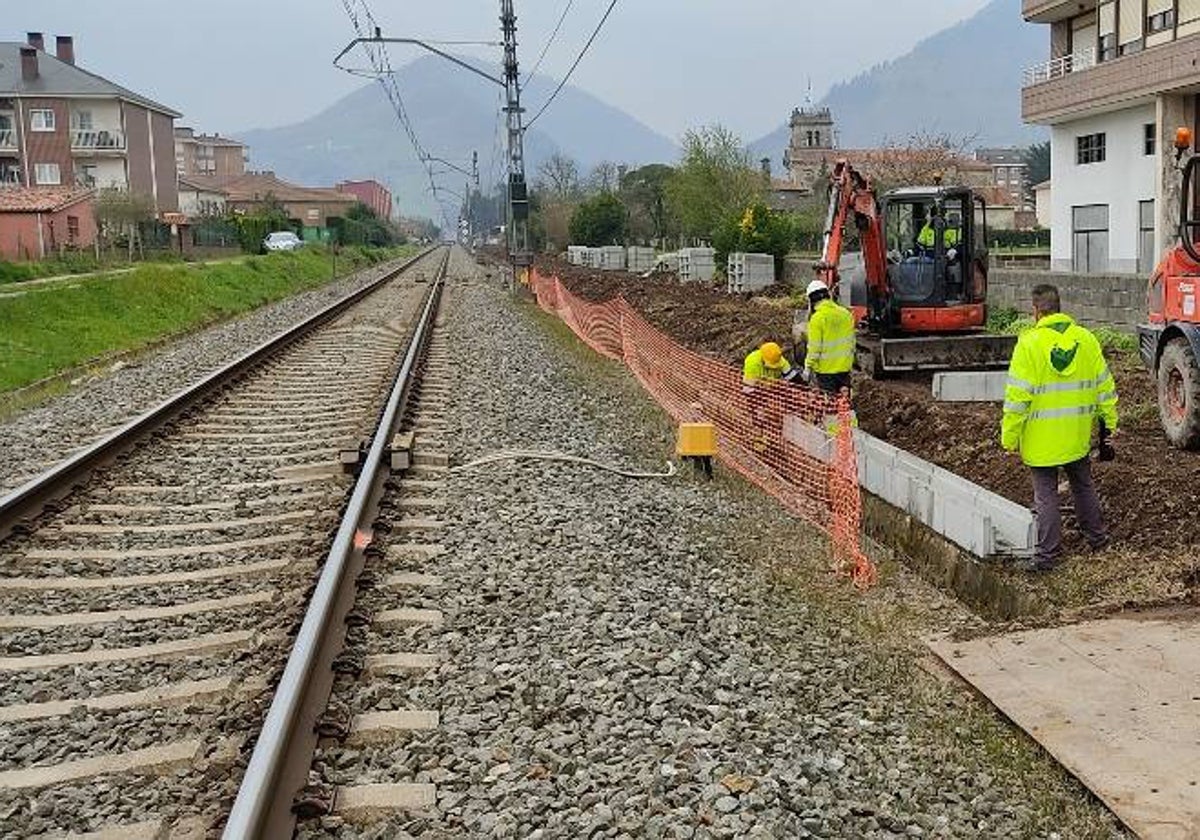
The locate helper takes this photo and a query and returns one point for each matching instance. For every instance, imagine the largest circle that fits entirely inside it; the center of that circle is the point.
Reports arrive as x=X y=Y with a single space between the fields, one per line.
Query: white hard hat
x=816 y=286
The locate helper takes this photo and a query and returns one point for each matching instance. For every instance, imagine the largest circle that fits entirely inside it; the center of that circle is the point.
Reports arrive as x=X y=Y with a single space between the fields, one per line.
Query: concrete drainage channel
x=152 y=583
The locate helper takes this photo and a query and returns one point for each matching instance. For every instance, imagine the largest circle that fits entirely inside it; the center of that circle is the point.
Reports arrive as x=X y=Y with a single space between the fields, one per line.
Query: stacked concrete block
x=589 y=257
x=749 y=272
x=609 y=258
x=575 y=254
x=639 y=259
x=697 y=265
x=668 y=262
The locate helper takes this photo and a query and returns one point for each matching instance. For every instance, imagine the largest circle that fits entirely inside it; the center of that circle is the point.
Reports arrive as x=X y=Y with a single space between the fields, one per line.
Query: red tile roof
x=255 y=186
x=41 y=199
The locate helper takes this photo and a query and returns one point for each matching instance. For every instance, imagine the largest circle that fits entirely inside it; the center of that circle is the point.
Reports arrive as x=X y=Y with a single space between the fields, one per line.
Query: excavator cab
x=936 y=240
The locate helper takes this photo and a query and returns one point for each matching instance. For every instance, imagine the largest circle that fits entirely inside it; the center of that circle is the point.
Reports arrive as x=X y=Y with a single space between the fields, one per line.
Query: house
x=208 y=155
x=1042 y=199
x=1120 y=77
x=62 y=126
x=35 y=222
x=371 y=193
x=200 y=196
x=1010 y=171
x=310 y=208
x=813 y=151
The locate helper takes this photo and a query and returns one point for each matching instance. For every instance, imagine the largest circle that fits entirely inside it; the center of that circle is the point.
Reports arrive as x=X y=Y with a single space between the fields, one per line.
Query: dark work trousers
x=1049 y=517
x=833 y=383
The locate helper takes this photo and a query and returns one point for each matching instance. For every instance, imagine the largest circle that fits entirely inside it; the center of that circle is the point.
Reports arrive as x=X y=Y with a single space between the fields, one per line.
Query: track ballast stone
x=40 y=437
x=667 y=658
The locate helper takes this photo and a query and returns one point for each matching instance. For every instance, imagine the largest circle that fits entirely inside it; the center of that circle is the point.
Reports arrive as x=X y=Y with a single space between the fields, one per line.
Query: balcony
x=8 y=139
x=1056 y=68
x=1048 y=11
x=97 y=140
x=1073 y=86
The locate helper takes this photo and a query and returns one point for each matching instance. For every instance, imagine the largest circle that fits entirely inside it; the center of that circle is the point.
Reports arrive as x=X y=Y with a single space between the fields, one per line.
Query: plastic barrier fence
x=795 y=443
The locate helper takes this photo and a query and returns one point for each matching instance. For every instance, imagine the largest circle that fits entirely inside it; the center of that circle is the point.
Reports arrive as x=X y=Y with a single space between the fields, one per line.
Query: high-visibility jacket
x=1058 y=383
x=754 y=368
x=928 y=236
x=831 y=339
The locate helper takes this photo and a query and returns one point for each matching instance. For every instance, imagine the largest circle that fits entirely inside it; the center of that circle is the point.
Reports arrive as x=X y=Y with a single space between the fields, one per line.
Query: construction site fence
x=795 y=443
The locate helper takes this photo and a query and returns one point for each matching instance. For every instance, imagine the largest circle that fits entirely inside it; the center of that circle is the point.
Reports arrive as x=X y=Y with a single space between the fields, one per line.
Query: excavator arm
x=852 y=197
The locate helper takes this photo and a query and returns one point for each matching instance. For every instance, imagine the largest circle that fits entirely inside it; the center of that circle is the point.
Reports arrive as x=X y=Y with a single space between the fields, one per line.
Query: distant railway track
x=154 y=584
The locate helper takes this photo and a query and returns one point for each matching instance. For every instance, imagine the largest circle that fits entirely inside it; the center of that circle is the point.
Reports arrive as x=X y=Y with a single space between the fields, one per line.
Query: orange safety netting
x=795 y=443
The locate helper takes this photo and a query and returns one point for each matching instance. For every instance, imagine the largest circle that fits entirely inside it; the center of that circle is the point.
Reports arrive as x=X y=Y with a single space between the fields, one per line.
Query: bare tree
x=920 y=159
x=121 y=212
x=605 y=177
x=559 y=177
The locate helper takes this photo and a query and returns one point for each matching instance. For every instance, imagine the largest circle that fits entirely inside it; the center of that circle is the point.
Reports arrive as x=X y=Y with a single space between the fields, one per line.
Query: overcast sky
x=230 y=65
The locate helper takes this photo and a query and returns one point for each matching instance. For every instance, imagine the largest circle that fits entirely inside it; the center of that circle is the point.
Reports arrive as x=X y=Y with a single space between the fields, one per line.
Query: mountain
x=964 y=81
x=453 y=113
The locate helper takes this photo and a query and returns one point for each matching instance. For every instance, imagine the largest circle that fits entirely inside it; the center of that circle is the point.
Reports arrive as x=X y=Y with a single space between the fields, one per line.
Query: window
x=72 y=229
x=1089 y=148
x=85 y=174
x=1107 y=18
x=1160 y=21
x=1089 y=239
x=1146 y=253
x=81 y=120
x=1150 y=139
x=1130 y=23
x=47 y=174
x=41 y=120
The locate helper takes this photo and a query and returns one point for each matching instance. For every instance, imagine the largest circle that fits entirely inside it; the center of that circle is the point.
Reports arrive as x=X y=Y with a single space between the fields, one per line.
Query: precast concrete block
x=970 y=386
x=812 y=440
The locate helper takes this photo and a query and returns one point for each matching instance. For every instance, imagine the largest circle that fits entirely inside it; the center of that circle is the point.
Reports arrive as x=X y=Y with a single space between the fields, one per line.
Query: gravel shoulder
x=673 y=658
x=42 y=435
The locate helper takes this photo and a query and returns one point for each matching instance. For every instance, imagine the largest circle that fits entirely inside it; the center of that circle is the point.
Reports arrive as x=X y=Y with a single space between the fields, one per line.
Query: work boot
x=1036 y=565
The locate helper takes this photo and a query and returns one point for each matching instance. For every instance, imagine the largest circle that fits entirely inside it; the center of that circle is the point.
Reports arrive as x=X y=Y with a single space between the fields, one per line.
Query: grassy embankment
x=49 y=331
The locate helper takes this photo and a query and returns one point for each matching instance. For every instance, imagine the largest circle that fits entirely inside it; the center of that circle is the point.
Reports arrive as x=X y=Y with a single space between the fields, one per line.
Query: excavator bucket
x=977 y=351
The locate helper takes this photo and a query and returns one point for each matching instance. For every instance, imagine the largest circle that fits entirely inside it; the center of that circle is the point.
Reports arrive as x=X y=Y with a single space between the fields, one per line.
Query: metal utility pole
x=518 y=194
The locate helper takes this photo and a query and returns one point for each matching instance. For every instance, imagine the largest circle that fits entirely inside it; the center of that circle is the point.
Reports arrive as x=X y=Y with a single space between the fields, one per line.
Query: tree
x=714 y=180
x=918 y=160
x=118 y=214
x=600 y=220
x=1037 y=158
x=644 y=192
x=756 y=230
x=362 y=226
x=604 y=178
x=558 y=177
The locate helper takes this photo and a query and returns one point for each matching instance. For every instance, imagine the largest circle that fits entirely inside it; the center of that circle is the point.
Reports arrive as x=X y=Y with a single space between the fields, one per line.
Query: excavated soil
x=1150 y=492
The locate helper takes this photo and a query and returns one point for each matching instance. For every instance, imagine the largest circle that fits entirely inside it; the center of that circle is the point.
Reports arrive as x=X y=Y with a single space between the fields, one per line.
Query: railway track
x=155 y=584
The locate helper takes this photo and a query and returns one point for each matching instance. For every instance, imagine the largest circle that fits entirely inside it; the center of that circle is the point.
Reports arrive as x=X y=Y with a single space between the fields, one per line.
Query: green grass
x=47 y=331
x=1008 y=321
x=77 y=262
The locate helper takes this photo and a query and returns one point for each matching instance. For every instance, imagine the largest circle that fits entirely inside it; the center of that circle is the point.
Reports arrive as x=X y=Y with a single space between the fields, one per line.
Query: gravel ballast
x=42 y=436
x=666 y=658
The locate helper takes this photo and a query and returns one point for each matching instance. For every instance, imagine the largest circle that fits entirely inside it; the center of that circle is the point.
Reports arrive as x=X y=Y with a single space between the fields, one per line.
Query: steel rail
x=278 y=767
x=31 y=498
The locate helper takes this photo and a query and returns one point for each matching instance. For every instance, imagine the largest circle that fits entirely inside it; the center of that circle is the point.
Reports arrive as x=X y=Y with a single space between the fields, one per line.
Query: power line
x=553 y=35
x=578 y=59
x=381 y=64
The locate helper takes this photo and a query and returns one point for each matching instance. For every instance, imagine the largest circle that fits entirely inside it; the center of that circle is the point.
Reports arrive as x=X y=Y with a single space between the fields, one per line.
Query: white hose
x=541 y=455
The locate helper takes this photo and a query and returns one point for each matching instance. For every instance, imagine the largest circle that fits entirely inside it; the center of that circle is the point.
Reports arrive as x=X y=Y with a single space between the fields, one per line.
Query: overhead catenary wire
x=383 y=72
x=543 y=455
x=546 y=48
x=575 y=64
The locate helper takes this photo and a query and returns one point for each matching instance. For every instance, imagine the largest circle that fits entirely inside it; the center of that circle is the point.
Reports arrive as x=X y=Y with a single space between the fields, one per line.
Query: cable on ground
x=541 y=455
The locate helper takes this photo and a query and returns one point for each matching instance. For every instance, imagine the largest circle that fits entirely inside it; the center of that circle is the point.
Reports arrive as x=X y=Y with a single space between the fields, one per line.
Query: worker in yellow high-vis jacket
x=831 y=340
x=1058 y=387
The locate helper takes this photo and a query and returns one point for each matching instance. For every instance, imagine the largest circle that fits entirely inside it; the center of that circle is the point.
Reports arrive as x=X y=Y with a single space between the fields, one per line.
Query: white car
x=283 y=240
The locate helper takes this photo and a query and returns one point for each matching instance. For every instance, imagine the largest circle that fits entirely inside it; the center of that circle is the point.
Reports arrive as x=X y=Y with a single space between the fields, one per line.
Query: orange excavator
x=1170 y=342
x=918 y=286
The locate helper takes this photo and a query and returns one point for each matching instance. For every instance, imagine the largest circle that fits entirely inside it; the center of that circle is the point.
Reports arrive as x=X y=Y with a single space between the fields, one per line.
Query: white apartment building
x=1121 y=77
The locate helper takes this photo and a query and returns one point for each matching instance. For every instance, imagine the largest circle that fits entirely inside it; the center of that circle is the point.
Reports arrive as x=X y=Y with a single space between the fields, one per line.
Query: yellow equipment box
x=697 y=440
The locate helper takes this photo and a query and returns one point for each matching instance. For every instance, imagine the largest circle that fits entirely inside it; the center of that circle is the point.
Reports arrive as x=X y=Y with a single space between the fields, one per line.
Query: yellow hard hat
x=772 y=354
